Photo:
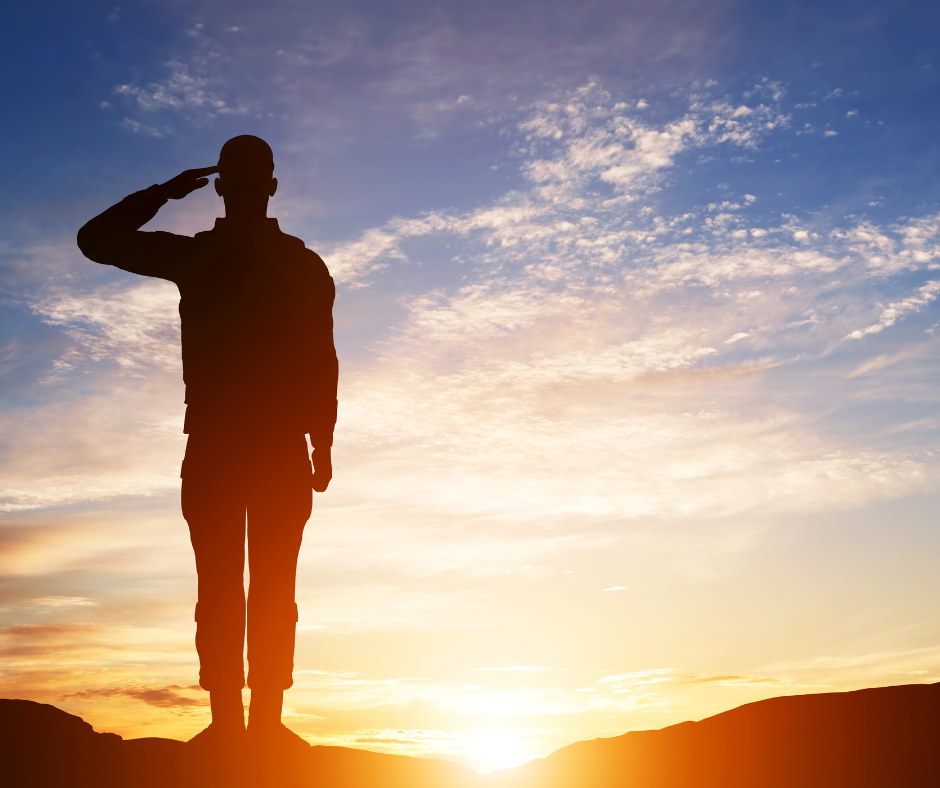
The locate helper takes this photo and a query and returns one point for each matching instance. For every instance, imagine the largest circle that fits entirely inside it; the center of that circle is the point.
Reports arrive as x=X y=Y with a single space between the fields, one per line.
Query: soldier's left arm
x=326 y=372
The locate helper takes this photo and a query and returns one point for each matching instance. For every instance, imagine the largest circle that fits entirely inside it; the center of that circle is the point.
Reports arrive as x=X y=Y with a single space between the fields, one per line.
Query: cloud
x=521 y=668
x=46 y=640
x=126 y=340
x=628 y=682
x=495 y=750
x=897 y=309
x=420 y=74
x=190 y=89
x=423 y=739
x=741 y=681
x=370 y=606
x=161 y=697
x=134 y=326
x=892 y=658
x=569 y=144
x=147 y=130
x=63 y=601
x=93 y=454
x=348 y=691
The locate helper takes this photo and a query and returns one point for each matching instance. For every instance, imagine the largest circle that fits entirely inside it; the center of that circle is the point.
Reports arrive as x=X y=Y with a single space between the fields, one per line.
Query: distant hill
x=872 y=738
x=875 y=738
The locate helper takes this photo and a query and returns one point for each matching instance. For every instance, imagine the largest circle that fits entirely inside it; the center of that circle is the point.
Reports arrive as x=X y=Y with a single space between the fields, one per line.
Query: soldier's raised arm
x=114 y=236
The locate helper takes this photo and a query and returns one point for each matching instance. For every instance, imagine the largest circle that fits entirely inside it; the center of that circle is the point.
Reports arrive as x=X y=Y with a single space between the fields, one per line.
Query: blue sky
x=637 y=323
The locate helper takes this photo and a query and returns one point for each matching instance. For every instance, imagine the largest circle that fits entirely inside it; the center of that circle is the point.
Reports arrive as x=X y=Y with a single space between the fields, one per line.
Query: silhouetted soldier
x=260 y=371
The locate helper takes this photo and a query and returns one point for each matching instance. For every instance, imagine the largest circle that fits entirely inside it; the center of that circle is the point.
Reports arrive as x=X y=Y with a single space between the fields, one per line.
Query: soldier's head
x=246 y=171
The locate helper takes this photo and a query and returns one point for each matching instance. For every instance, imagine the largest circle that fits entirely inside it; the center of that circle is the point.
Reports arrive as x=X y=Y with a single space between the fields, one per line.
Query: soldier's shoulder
x=316 y=261
x=305 y=254
x=291 y=242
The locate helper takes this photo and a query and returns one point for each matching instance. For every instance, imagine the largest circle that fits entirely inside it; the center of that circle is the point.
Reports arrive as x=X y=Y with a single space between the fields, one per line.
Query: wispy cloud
x=628 y=682
x=741 y=681
x=895 y=659
x=898 y=309
x=134 y=326
x=191 y=89
x=137 y=127
x=327 y=690
x=63 y=601
x=161 y=697
x=495 y=750
x=46 y=640
x=521 y=668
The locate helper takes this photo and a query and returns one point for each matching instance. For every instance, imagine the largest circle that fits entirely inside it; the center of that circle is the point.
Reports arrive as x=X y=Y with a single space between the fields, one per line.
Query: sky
x=638 y=318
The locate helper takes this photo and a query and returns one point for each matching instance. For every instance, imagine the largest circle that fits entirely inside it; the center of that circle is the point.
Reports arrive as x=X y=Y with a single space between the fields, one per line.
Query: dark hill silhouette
x=874 y=738
x=44 y=747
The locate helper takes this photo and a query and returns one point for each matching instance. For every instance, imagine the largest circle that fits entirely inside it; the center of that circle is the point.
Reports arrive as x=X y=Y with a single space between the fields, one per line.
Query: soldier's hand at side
x=188 y=181
x=322 y=468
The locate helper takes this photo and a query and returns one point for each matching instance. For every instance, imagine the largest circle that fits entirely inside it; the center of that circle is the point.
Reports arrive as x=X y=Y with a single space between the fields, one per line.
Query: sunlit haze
x=638 y=319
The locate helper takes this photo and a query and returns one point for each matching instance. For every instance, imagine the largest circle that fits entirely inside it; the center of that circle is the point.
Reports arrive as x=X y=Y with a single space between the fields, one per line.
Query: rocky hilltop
x=44 y=747
x=874 y=738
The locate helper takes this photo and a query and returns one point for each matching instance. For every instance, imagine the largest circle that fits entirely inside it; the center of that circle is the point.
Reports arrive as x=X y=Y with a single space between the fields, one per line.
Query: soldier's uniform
x=260 y=370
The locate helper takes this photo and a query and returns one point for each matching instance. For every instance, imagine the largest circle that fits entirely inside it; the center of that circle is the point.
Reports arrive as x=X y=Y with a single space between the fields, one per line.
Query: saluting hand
x=187 y=181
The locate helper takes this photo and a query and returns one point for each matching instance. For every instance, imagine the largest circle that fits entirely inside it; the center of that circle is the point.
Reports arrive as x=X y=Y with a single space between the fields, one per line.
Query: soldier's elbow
x=88 y=244
x=84 y=242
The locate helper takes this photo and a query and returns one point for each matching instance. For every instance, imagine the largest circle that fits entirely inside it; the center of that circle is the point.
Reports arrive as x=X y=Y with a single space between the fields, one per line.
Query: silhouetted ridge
x=884 y=738
x=41 y=745
x=44 y=747
x=874 y=738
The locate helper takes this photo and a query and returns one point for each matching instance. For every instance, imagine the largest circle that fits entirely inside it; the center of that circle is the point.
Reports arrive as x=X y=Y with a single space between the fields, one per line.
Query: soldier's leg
x=214 y=506
x=278 y=508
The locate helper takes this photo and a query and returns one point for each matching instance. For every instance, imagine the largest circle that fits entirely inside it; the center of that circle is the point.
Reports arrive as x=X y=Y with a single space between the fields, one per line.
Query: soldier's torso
x=245 y=306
